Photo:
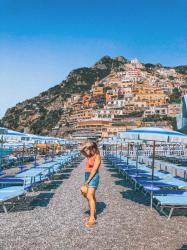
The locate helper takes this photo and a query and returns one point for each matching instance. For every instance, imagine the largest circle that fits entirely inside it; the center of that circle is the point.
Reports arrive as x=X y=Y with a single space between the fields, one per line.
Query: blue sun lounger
x=34 y=175
x=144 y=173
x=52 y=167
x=168 y=192
x=162 y=183
x=171 y=202
x=11 y=181
x=6 y=194
x=17 y=185
x=26 y=178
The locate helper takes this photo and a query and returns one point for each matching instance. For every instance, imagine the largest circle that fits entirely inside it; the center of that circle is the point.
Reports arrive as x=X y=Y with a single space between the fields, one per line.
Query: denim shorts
x=94 y=181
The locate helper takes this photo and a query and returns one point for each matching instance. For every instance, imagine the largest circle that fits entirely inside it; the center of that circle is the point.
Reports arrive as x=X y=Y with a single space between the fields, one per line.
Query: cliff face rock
x=107 y=63
x=41 y=113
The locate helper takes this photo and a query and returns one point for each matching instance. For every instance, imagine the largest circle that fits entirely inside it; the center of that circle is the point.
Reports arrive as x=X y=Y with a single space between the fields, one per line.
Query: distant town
x=132 y=97
x=114 y=95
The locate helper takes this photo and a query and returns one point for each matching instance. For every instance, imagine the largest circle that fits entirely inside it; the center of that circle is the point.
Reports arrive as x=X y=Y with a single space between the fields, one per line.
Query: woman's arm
x=96 y=166
x=82 y=150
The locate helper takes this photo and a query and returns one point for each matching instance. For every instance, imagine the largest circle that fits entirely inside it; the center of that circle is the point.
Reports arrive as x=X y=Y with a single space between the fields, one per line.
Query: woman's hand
x=82 y=147
x=85 y=145
x=88 y=144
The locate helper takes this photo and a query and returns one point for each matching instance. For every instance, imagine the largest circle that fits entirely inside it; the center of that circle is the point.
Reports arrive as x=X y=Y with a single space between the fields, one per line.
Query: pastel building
x=182 y=117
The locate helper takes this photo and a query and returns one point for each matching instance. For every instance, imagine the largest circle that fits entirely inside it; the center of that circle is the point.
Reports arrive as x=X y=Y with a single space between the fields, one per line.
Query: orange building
x=97 y=91
x=95 y=125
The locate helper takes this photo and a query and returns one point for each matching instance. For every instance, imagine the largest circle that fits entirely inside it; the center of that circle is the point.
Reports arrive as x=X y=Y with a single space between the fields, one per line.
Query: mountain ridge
x=41 y=113
x=79 y=80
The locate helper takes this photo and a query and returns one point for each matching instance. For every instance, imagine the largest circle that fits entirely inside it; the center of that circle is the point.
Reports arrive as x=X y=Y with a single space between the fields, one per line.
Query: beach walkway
x=54 y=217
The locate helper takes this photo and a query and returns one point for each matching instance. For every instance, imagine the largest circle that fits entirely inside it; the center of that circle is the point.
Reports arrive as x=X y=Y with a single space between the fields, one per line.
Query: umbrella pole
x=35 y=154
x=53 y=153
x=45 y=149
x=23 y=153
x=120 y=151
x=153 y=160
x=128 y=154
x=137 y=151
x=1 y=157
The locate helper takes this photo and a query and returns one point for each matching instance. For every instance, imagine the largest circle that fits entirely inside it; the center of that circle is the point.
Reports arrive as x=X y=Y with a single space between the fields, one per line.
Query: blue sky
x=41 y=41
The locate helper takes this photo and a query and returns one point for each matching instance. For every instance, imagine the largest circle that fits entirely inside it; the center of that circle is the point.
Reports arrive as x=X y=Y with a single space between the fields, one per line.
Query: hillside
x=125 y=91
x=41 y=113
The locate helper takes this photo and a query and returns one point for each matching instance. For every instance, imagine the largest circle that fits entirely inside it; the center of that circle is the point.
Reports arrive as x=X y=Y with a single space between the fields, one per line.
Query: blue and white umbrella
x=154 y=134
x=17 y=145
x=112 y=140
x=9 y=135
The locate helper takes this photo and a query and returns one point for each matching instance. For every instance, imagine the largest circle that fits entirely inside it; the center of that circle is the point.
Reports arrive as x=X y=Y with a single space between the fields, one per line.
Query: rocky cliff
x=41 y=113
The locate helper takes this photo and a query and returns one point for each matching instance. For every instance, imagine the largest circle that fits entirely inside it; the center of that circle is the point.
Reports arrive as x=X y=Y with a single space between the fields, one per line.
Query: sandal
x=95 y=216
x=90 y=223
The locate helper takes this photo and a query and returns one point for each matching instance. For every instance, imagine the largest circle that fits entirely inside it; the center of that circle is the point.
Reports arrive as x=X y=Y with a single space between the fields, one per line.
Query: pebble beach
x=53 y=217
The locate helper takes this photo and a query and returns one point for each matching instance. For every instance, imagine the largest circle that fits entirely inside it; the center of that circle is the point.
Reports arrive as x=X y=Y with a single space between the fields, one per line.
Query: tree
x=175 y=97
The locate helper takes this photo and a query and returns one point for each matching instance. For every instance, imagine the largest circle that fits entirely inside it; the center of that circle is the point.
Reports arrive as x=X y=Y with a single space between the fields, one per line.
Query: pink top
x=90 y=163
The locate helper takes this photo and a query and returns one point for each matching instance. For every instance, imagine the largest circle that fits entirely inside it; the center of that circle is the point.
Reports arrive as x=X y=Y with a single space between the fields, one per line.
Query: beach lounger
x=171 y=202
x=165 y=189
x=34 y=176
x=168 y=192
x=17 y=185
x=52 y=167
x=9 y=181
x=162 y=183
x=6 y=194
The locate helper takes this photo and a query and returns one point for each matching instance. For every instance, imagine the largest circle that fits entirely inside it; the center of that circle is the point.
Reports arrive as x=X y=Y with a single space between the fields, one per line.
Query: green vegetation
x=175 y=97
x=108 y=88
x=156 y=118
x=181 y=69
x=132 y=114
x=47 y=121
x=171 y=78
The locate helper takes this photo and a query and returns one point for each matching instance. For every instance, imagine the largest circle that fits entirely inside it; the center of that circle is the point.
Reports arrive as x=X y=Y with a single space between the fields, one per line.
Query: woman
x=93 y=162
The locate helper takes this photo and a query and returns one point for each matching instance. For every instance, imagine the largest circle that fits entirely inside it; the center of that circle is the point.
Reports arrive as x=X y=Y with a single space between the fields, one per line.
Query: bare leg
x=92 y=204
x=88 y=203
x=95 y=206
